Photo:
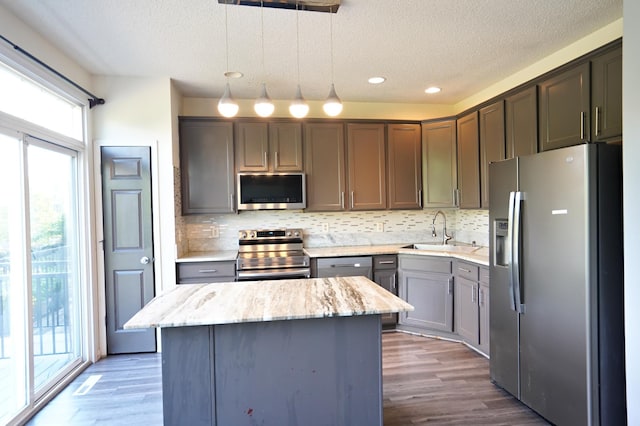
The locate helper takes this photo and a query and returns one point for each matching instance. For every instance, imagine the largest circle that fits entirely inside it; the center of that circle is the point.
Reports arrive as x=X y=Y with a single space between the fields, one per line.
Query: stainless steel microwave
x=271 y=191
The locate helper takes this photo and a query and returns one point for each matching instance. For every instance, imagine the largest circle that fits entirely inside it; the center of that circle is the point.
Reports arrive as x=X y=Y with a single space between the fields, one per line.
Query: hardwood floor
x=437 y=382
x=426 y=381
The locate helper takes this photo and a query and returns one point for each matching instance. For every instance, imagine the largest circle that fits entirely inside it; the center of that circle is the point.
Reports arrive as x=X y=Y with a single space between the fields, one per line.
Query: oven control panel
x=258 y=234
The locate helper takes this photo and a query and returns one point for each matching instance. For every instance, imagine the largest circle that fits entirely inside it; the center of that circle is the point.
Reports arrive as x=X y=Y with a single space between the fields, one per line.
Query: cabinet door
x=468 y=162
x=386 y=278
x=206 y=164
x=252 y=147
x=483 y=301
x=324 y=164
x=367 y=171
x=285 y=147
x=404 y=165
x=491 y=144
x=564 y=109
x=521 y=115
x=439 y=177
x=606 y=96
x=466 y=306
x=432 y=297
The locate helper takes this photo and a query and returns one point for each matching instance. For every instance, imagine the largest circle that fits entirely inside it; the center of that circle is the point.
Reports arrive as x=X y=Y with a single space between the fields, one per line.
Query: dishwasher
x=344 y=267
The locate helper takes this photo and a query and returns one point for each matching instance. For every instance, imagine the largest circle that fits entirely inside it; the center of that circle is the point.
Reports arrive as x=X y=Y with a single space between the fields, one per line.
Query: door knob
x=145 y=260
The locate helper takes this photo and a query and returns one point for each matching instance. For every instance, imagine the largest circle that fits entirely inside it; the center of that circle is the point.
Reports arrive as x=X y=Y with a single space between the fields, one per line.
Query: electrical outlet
x=215 y=231
x=379 y=227
x=325 y=228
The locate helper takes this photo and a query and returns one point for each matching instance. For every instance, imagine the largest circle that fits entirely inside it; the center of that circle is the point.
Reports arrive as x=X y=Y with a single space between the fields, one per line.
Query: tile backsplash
x=220 y=232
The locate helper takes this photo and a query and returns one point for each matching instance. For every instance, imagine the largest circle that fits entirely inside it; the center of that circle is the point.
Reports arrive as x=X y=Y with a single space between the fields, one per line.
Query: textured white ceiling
x=462 y=46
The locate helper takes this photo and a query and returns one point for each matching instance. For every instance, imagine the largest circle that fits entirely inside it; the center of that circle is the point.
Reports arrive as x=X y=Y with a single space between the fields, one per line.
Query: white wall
x=631 y=171
x=140 y=112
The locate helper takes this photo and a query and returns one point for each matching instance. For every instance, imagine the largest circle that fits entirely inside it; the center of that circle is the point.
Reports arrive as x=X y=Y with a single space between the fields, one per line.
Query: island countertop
x=259 y=301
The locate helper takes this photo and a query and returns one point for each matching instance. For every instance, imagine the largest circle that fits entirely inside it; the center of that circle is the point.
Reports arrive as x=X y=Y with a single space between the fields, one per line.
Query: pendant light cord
x=331 y=39
x=226 y=40
x=264 y=77
x=298 y=41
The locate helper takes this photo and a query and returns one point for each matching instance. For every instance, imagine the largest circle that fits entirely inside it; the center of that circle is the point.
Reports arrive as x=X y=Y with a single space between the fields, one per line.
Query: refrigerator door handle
x=510 y=254
x=515 y=248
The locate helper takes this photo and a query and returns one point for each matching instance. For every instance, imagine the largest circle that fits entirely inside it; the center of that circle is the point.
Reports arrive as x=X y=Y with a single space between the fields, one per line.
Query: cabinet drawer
x=484 y=275
x=205 y=270
x=467 y=270
x=385 y=262
x=425 y=264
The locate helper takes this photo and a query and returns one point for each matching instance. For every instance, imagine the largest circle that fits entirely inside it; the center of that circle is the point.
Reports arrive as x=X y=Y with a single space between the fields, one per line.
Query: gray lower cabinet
x=205 y=272
x=483 y=301
x=427 y=284
x=385 y=274
x=472 y=304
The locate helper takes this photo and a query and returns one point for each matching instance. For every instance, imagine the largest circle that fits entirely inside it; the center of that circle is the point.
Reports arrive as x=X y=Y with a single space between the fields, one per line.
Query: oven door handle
x=280 y=273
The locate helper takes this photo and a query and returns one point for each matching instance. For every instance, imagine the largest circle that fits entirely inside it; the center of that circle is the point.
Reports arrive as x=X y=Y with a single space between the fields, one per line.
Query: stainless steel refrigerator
x=556 y=276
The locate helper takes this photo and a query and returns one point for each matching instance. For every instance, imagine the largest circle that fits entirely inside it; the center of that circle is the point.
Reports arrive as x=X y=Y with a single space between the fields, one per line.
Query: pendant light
x=299 y=107
x=263 y=105
x=227 y=106
x=333 y=105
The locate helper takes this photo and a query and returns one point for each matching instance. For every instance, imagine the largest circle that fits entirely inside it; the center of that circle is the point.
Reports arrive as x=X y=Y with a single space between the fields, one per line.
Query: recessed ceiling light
x=233 y=74
x=432 y=90
x=377 y=80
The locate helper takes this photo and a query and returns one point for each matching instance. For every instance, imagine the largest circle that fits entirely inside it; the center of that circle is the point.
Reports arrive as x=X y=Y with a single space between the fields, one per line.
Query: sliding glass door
x=40 y=292
x=13 y=276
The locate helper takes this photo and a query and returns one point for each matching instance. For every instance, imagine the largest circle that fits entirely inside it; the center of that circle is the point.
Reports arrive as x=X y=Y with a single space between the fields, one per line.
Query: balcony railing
x=50 y=298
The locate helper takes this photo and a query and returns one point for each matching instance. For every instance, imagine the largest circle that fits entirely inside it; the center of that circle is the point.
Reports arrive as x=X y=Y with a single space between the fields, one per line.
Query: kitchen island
x=284 y=352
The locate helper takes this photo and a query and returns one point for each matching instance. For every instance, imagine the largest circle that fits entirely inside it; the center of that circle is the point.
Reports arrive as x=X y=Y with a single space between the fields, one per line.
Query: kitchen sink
x=452 y=248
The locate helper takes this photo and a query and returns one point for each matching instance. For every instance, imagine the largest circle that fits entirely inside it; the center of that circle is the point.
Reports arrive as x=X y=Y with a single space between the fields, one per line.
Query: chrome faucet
x=445 y=237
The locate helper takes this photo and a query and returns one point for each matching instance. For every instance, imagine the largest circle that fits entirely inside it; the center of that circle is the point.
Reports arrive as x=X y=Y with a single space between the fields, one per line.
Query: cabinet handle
x=386 y=262
x=582 y=120
x=473 y=294
x=468 y=271
x=450 y=286
x=456 y=197
x=597 y=121
x=481 y=297
x=231 y=200
x=419 y=197
x=207 y=271
x=352 y=197
x=393 y=282
x=342 y=200
x=266 y=159
x=276 y=163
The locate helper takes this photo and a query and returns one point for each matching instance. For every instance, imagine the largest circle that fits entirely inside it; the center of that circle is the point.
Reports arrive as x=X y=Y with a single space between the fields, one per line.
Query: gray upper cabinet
x=564 y=109
x=268 y=147
x=468 y=162
x=404 y=166
x=367 y=166
x=492 y=146
x=521 y=123
x=606 y=96
x=206 y=162
x=324 y=151
x=439 y=177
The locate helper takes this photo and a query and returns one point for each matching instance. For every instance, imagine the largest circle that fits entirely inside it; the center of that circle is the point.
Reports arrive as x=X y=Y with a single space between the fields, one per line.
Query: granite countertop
x=208 y=256
x=478 y=255
x=257 y=301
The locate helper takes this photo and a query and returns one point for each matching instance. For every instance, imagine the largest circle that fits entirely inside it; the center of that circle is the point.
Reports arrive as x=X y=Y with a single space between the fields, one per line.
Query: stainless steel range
x=269 y=254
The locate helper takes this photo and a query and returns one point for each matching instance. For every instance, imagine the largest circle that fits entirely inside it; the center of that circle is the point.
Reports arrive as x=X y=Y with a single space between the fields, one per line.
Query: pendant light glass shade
x=333 y=105
x=299 y=107
x=263 y=105
x=227 y=106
